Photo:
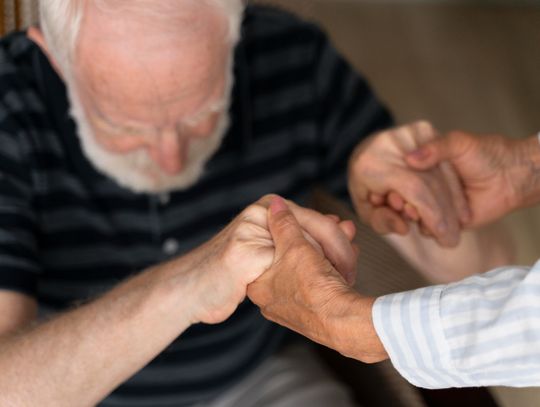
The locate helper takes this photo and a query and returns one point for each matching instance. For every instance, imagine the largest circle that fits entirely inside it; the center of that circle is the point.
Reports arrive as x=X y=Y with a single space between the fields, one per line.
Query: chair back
x=17 y=14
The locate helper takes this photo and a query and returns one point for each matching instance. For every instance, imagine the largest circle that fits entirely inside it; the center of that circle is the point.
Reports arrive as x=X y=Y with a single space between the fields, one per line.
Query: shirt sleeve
x=348 y=112
x=482 y=331
x=19 y=266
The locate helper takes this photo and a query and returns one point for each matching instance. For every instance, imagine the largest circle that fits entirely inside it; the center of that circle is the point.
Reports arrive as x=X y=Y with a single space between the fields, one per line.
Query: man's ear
x=36 y=35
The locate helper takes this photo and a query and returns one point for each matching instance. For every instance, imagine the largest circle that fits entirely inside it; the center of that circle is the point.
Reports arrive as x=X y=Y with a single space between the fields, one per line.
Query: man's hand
x=238 y=255
x=304 y=292
x=498 y=174
x=388 y=194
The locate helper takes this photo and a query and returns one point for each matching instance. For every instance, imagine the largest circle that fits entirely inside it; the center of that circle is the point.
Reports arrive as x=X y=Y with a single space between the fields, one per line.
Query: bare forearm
x=479 y=250
x=79 y=357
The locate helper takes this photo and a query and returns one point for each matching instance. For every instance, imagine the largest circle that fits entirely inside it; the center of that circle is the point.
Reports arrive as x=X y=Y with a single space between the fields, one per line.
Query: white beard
x=135 y=170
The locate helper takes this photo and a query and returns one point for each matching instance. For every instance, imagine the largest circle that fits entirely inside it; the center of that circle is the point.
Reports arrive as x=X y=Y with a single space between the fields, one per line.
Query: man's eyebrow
x=207 y=109
x=124 y=126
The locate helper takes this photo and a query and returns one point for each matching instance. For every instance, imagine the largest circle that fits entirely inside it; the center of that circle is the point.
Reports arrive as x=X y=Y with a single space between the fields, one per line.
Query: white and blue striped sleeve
x=482 y=331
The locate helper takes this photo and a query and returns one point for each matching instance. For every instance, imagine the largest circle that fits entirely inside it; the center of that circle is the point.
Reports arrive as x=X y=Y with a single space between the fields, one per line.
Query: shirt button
x=164 y=199
x=170 y=247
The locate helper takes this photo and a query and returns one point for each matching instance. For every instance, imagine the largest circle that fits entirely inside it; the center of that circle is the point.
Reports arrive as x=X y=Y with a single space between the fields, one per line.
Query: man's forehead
x=162 y=13
x=136 y=64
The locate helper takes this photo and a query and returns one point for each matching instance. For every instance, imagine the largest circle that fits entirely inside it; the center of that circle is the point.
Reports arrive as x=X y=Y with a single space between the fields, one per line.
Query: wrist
x=178 y=286
x=355 y=334
x=526 y=177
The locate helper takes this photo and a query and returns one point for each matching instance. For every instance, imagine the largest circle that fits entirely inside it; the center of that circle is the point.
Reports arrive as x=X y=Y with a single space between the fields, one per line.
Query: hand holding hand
x=497 y=173
x=238 y=255
x=304 y=292
x=388 y=193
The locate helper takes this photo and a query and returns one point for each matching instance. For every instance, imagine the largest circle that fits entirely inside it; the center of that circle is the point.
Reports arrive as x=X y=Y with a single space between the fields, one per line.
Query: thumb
x=446 y=148
x=283 y=226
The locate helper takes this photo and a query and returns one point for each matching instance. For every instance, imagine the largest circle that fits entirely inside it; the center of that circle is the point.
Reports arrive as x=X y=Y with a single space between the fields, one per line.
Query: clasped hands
x=298 y=265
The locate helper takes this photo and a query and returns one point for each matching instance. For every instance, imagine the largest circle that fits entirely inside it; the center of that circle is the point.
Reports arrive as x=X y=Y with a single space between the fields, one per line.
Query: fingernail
x=419 y=155
x=278 y=205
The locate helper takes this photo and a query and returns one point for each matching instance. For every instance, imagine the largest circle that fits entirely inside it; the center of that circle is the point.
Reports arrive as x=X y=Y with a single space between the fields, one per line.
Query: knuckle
x=253 y=211
x=232 y=250
x=300 y=250
x=424 y=125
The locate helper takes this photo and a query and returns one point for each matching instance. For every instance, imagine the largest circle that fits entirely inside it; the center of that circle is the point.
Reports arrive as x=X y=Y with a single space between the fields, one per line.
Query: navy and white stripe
x=482 y=331
x=67 y=233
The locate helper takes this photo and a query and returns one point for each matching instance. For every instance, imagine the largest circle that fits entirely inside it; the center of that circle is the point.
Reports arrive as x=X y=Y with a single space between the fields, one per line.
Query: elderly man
x=481 y=331
x=179 y=125
x=115 y=204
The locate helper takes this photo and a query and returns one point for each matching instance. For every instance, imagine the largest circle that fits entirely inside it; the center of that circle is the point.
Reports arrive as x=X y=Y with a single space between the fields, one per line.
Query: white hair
x=60 y=22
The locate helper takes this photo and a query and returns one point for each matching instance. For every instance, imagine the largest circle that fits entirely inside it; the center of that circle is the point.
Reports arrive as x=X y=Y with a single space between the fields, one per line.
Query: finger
x=411 y=136
x=356 y=250
x=385 y=221
x=411 y=212
x=424 y=132
x=349 y=228
x=376 y=199
x=381 y=219
x=456 y=190
x=314 y=243
x=333 y=217
x=447 y=148
x=425 y=231
x=395 y=201
x=352 y=278
x=364 y=209
x=330 y=235
x=427 y=194
x=443 y=197
x=283 y=226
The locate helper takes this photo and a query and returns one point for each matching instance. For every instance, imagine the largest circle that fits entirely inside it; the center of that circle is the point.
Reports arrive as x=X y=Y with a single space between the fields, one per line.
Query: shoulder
x=22 y=109
x=18 y=79
x=16 y=59
x=283 y=27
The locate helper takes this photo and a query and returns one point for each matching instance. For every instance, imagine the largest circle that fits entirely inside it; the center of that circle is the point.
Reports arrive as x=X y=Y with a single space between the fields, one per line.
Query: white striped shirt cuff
x=410 y=328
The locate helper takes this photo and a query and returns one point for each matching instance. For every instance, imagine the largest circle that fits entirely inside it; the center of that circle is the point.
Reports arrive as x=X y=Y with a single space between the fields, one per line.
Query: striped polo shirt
x=68 y=233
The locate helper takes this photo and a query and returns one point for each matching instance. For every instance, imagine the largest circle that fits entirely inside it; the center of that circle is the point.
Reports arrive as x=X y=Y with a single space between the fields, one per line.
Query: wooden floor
x=460 y=66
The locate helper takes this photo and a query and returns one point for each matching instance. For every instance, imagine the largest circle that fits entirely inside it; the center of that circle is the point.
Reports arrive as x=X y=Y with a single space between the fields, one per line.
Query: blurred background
x=472 y=65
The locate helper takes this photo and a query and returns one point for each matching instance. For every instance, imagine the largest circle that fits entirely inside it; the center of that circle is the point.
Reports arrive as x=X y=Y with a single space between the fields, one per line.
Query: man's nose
x=170 y=151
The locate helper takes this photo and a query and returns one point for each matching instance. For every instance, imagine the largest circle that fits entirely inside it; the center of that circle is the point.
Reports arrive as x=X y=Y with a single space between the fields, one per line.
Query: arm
x=22 y=311
x=79 y=357
x=478 y=251
x=482 y=331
